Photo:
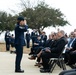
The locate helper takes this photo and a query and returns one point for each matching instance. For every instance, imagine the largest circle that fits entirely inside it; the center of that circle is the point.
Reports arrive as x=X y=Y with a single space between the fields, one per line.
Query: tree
x=38 y=17
x=7 y=21
x=42 y=16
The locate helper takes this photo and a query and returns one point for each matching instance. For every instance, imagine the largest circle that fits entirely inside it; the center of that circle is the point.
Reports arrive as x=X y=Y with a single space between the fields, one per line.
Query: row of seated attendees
x=70 y=54
x=52 y=47
x=39 y=42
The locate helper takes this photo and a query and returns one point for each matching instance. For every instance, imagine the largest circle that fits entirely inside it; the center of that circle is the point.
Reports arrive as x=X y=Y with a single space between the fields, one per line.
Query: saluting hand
x=25 y=23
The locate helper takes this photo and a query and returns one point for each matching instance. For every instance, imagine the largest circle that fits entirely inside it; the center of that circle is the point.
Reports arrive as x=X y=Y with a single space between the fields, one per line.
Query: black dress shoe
x=30 y=53
x=44 y=70
x=19 y=71
x=32 y=58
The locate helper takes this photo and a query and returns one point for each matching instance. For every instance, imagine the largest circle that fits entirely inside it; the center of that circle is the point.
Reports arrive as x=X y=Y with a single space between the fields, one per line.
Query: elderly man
x=73 y=59
x=70 y=53
x=53 y=52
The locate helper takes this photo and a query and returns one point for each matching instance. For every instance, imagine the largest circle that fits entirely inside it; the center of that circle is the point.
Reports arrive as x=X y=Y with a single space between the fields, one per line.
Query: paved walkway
x=7 y=61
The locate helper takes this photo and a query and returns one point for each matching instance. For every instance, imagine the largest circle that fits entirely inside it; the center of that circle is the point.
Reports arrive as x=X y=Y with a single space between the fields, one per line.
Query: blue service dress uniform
x=7 y=40
x=28 y=39
x=33 y=37
x=19 y=43
x=36 y=47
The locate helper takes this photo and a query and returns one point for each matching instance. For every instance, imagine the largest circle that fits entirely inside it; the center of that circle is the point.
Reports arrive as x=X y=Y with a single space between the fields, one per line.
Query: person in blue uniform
x=20 y=28
x=34 y=35
x=7 y=40
x=12 y=43
x=28 y=39
x=44 y=37
x=12 y=40
x=37 y=44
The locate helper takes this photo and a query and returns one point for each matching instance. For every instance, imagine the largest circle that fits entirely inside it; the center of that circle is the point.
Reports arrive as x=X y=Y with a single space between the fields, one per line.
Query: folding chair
x=57 y=61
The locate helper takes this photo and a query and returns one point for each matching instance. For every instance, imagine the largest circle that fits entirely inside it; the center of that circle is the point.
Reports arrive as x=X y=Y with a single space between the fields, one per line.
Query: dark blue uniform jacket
x=19 y=34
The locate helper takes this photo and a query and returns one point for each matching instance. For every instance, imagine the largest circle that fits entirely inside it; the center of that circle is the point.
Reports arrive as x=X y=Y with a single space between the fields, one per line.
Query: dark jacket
x=34 y=36
x=53 y=44
x=39 y=42
x=7 y=37
x=59 y=46
x=48 y=43
x=74 y=44
x=19 y=34
x=12 y=42
x=44 y=38
x=28 y=36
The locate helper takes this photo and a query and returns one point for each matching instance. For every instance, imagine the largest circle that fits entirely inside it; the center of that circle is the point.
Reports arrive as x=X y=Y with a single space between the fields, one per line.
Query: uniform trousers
x=19 y=54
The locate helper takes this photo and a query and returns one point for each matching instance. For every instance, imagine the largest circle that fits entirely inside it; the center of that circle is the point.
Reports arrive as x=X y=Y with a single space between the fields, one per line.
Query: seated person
x=53 y=52
x=44 y=37
x=70 y=50
x=49 y=44
x=72 y=59
x=37 y=44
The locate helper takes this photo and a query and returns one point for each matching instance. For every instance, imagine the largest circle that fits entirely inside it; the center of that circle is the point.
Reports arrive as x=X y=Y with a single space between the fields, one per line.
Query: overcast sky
x=66 y=6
